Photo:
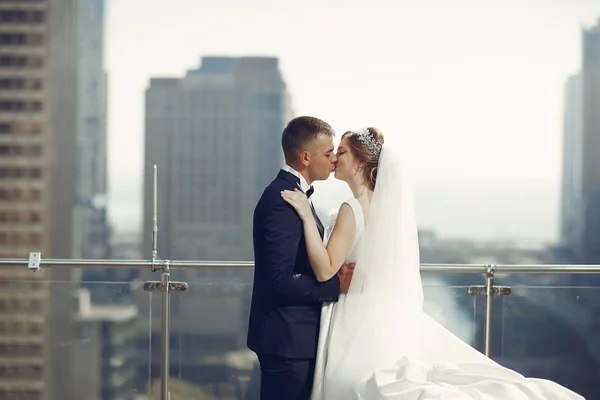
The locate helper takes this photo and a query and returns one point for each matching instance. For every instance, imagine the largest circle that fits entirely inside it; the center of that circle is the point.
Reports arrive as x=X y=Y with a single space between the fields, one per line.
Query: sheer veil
x=383 y=308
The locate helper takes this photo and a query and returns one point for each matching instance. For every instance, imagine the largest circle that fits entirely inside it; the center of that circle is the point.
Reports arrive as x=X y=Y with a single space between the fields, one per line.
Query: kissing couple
x=337 y=311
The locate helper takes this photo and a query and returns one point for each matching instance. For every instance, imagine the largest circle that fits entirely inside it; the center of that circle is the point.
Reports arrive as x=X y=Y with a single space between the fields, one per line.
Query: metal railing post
x=489 y=298
x=489 y=291
x=165 y=286
x=165 y=334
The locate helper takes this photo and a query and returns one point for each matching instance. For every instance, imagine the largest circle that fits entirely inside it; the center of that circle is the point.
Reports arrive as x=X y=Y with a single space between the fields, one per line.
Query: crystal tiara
x=368 y=140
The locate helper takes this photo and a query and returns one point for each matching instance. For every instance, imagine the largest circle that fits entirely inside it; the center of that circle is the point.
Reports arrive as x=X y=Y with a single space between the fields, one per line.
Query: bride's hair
x=368 y=156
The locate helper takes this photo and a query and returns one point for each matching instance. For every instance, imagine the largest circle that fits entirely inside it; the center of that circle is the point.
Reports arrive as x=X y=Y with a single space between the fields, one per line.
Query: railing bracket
x=157 y=286
x=34 y=261
x=496 y=290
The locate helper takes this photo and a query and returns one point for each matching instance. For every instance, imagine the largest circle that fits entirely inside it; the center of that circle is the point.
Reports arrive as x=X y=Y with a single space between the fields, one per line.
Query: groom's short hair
x=299 y=132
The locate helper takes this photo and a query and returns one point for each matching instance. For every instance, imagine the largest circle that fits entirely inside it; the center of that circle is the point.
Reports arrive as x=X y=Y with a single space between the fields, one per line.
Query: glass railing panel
x=209 y=357
x=552 y=333
x=454 y=308
x=55 y=340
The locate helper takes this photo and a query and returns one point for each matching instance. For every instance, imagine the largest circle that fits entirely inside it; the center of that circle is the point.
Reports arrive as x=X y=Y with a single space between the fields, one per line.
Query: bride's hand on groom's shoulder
x=299 y=201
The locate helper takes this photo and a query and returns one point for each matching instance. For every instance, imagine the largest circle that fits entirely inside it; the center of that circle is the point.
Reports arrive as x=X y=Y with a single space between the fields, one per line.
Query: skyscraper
x=571 y=197
x=216 y=138
x=42 y=102
x=590 y=245
x=27 y=199
x=91 y=238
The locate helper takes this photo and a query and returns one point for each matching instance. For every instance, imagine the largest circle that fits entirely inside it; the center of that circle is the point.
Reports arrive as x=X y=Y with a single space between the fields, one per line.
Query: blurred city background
x=497 y=104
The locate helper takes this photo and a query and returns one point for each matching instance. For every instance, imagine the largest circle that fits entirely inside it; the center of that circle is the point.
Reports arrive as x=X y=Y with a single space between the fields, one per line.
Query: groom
x=286 y=299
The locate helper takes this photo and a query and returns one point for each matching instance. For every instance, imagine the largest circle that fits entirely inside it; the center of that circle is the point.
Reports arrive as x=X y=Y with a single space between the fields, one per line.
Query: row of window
x=20 y=105
x=8 y=173
x=21 y=39
x=20 y=150
x=24 y=239
x=27 y=217
x=15 y=283
x=20 y=372
x=21 y=83
x=18 y=194
x=19 y=305
x=19 y=349
x=21 y=61
x=20 y=127
x=17 y=328
x=20 y=394
x=22 y=16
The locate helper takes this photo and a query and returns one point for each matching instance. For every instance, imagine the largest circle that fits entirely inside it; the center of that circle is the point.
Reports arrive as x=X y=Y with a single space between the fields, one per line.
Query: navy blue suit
x=286 y=298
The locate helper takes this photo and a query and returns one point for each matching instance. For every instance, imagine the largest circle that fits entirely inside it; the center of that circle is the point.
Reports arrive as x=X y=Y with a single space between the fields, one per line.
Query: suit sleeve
x=282 y=235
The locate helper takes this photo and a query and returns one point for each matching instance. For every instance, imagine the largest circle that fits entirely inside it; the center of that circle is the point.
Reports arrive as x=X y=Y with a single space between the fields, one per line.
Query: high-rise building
x=215 y=135
x=590 y=243
x=25 y=197
x=91 y=238
x=571 y=226
x=45 y=81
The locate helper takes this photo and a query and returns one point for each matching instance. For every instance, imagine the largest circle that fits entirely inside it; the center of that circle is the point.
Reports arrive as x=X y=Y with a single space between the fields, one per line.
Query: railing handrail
x=498 y=269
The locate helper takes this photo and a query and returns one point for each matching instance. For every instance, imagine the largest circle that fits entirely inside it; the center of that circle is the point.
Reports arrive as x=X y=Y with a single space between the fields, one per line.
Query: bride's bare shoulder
x=345 y=213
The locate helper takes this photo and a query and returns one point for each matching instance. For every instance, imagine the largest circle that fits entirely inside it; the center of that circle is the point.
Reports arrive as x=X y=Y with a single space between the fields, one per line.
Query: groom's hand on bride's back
x=345 y=275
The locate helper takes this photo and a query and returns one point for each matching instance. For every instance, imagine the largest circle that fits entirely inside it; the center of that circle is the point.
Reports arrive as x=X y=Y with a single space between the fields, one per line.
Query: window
x=12 y=61
x=20 y=61
x=7 y=173
x=21 y=217
x=16 y=16
x=20 y=371
x=12 y=105
x=34 y=150
x=21 y=39
x=15 y=283
x=34 y=84
x=19 y=349
x=16 y=328
x=12 y=38
x=20 y=105
x=20 y=394
x=20 y=83
x=16 y=239
x=27 y=127
x=19 y=194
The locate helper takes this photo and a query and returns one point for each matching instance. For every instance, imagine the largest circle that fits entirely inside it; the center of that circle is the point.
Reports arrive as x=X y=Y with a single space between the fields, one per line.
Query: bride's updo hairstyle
x=365 y=145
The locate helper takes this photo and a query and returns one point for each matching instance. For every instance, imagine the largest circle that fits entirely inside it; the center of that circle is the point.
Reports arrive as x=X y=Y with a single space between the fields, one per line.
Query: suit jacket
x=286 y=298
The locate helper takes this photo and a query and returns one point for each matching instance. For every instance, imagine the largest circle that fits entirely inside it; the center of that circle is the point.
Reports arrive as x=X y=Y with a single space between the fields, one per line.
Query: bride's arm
x=325 y=262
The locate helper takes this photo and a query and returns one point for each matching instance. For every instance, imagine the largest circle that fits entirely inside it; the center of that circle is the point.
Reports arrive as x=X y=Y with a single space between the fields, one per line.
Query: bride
x=376 y=343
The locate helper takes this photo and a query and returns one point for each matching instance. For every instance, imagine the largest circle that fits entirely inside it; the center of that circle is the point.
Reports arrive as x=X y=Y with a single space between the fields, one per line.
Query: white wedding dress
x=376 y=343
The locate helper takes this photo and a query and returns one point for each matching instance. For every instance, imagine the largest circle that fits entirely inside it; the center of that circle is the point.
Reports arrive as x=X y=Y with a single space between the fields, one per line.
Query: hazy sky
x=474 y=87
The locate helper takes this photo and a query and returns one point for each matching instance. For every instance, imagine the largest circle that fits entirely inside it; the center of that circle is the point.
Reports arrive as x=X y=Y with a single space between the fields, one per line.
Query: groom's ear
x=304 y=158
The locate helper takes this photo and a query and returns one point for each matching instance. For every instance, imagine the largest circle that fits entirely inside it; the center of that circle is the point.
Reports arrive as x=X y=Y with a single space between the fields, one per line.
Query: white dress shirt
x=304 y=186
